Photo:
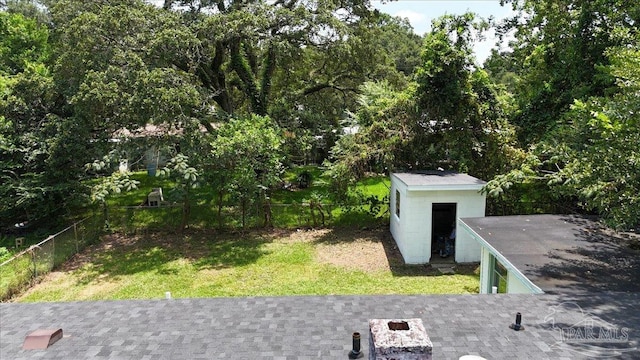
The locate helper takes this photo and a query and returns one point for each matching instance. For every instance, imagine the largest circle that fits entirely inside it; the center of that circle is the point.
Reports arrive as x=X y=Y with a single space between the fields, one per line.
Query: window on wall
x=397 y=203
x=498 y=276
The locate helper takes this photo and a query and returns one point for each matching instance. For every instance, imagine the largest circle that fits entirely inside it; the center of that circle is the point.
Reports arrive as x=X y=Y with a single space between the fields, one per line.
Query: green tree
x=397 y=37
x=462 y=125
x=300 y=62
x=186 y=177
x=22 y=42
x=246 y=163
x=243 y=45
x=114 y=65
x=450 y=118
x=594 y=155
x=31 y=9
x=560 y=47
x=572 y=76
x=379 y=140
x=40 y=155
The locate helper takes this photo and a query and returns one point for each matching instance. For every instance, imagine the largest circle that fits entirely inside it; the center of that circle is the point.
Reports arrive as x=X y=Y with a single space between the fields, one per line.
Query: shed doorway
x=443 y=226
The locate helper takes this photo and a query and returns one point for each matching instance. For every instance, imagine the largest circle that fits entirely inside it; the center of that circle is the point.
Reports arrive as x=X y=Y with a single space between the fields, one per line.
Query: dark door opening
x=443 y=225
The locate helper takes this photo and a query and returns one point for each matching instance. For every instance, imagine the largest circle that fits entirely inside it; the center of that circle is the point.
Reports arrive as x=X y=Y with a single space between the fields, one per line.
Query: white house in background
x=427 y=205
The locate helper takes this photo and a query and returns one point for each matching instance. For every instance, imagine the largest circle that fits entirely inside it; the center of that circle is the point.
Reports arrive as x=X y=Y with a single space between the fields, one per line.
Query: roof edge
x=528 y=283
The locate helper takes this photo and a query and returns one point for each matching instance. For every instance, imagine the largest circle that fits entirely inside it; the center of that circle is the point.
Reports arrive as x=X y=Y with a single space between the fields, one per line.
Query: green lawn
x=375 y=185
x=289 y=206
x=258 y=264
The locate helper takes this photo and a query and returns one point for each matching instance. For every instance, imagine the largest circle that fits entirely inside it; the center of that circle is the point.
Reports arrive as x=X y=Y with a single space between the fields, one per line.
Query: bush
x=4 y=254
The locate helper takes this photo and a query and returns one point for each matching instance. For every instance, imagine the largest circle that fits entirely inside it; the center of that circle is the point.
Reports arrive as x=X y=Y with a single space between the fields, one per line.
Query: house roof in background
x=319 y=327
x=563 y=253
x=149 y=130
x=439 y=180
x=155 y=130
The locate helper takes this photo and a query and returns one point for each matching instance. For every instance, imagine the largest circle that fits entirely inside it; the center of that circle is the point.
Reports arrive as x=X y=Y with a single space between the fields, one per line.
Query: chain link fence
x=130 y=220
x=28 y=266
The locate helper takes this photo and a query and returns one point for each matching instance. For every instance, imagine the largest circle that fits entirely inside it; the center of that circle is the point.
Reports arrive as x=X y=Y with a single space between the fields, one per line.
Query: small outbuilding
x=425 y=208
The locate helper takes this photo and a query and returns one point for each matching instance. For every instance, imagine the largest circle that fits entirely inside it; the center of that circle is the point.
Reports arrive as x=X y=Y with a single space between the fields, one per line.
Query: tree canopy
x=572 y=84
x=245 y=87
x=39 y=155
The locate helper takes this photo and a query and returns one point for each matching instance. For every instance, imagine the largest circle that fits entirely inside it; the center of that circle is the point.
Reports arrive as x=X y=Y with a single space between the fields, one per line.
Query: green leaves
x=178 y=168
x=38 y=154
x=592 y=157
x=604 y=171
x=113 y=184
x=22 y=42
x=559 y=55
x=461 y=118
x=118 y=66
x=246 y=156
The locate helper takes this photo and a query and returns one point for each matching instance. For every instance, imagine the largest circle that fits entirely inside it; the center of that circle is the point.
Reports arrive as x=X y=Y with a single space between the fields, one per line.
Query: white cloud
x=414 y=17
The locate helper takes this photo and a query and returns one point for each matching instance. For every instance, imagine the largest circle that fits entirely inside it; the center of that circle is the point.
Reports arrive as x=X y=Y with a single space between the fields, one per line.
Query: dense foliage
x=239 y=89
x=573 y=87
x=40 y=159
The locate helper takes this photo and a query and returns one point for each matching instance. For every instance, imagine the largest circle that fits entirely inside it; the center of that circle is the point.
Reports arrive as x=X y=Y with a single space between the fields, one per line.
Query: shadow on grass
x=231 y=251
x=121 y=255
x=397 y=264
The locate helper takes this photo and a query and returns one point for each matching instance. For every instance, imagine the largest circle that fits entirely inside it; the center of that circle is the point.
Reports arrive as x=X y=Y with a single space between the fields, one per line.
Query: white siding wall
x=485 y=271
x=467 y=248
x=396 y=227
x=418 y=223
x=515 y=286
x=417 y=228
x=412 y=231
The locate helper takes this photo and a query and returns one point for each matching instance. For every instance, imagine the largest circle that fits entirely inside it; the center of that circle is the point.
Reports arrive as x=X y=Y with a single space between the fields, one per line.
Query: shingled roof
x=320 y=327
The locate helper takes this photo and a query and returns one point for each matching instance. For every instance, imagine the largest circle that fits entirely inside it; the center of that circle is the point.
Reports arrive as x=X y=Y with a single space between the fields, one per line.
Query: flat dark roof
x=562 y=253
x=436 y=178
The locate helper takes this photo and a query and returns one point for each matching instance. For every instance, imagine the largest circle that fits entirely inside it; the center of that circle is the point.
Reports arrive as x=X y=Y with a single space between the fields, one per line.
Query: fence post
x=35 y=264
x=53 y=254
x=75 y=236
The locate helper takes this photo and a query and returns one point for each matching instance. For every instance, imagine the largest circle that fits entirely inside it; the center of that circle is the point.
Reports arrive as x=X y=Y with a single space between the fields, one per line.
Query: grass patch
x=200 y=264
x=290 y=205
x=377 y=185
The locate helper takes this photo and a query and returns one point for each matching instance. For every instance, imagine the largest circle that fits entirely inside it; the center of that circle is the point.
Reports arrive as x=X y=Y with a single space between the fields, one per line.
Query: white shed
x=426 y=207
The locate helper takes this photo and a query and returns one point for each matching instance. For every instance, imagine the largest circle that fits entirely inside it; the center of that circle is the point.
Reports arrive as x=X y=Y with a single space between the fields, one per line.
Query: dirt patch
x=351 y=248
x=355 y=249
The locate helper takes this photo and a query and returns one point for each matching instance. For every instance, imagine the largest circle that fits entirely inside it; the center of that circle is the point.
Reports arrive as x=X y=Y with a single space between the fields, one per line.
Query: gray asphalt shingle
x=316 y=327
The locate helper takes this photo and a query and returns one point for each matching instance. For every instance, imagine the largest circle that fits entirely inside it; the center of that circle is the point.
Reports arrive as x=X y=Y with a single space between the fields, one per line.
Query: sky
x=421 y=12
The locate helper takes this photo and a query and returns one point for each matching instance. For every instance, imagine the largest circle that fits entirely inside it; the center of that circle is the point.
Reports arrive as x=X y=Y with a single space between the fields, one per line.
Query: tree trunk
x=167 y=4
x=186 y=211
x=220 y=198
x=244 y=211
x=268 y=222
